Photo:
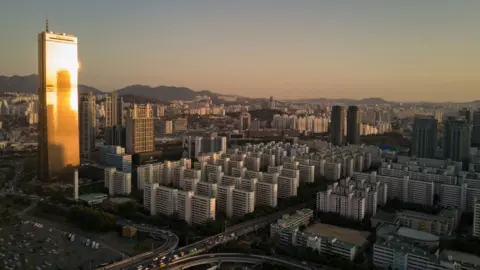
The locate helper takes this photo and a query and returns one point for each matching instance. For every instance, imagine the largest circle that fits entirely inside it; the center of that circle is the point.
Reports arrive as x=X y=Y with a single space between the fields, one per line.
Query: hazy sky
x=400 y=50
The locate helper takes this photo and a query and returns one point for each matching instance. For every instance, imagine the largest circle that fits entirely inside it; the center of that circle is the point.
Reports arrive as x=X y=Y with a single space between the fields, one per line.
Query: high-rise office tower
x=140 y=135
x=58 y=139
x=337 y=125
x=114 y=114
x=244 y=121
x=476 y=128
x=87 y=120
x=114 y=120
x=424 y=136
x=467 y=113
x=353 y=125
x=457 y=138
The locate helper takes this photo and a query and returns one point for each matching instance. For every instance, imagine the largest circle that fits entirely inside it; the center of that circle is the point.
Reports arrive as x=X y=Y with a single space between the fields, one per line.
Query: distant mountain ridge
x=28 y=84
x=138 y=93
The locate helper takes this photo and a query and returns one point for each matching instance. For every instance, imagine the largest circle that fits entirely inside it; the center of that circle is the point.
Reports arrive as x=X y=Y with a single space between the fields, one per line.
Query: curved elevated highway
x=171 y=243
x=233 y=257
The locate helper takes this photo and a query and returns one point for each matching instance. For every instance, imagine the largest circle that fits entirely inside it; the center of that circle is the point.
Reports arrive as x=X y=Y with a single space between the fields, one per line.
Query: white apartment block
x=287 y=187
x=266 y=194
x=178 y=177
x=252 y=163
x=167 y=172
x=206 y=189
x=347 y=205
x=274 y=169
x=225 y=199
x=332 y=171
x=307 y=173
x=231 y=180
x=238 y=172
x=253 y=174
x=191 y=184
x=290 y=164
x=270 y=177
x=210 y=168
x=184 y=205
x=166 y=199
x=203 y=209
x=150 y=198
x=234 y=164
x=215 y=178
x=267 y=160
x=148 y=174
x=243 y=202
x=117 y=182
x=193 y=173
x=249 y=184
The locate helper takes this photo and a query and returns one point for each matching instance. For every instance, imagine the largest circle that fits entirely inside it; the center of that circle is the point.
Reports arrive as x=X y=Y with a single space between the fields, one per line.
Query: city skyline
x=405 y=51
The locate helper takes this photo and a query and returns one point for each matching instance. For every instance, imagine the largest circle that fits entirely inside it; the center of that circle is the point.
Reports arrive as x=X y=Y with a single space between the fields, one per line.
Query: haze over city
x=397 y=50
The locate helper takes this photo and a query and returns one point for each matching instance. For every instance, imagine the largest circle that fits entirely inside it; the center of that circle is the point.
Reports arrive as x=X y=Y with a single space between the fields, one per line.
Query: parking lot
x=31 y=245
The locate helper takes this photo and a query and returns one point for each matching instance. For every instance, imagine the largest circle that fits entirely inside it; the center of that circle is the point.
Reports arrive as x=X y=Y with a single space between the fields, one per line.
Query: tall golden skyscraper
x=58 y=139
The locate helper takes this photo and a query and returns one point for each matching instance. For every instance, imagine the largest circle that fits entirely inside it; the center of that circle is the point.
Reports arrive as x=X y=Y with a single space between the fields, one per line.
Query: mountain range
x=142 y=93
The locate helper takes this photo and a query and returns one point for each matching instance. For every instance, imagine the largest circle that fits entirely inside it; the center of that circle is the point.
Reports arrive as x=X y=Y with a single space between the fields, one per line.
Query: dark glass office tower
x=353 y=125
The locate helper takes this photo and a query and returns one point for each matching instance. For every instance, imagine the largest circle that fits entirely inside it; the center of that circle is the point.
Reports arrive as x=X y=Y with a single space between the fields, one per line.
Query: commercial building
x=58 y=139
x=457 y=139
x=353 y=125
x=140 y=135
x=300 y=218
x=111 y=155
x=337 y=125
x=87 y=122
x=424 y=137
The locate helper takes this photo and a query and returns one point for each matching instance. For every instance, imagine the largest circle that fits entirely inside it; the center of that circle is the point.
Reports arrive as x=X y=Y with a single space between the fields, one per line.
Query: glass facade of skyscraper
x=58 y=104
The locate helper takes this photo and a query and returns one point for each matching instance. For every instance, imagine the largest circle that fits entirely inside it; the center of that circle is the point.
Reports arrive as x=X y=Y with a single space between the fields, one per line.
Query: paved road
x=205 y=244
x=234 y=257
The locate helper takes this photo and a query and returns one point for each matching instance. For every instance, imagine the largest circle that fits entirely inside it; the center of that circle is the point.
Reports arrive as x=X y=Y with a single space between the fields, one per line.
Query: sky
x=404 y=50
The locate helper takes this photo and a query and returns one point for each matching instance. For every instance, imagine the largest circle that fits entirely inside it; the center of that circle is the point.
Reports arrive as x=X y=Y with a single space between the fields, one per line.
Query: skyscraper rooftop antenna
x=46 y=26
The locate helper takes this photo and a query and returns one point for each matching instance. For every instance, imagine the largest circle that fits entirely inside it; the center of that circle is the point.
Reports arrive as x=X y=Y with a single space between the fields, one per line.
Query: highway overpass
x=205 y=244
x=215 y=258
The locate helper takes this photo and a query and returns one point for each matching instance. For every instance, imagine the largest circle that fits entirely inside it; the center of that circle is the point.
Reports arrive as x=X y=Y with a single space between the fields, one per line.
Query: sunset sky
x=401 y=50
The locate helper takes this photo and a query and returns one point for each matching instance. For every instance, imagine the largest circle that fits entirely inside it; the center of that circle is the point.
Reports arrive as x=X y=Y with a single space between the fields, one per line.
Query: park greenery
x=84 y=217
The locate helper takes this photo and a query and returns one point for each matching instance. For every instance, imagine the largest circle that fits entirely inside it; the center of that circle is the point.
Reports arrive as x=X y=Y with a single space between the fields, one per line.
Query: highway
x=233 y=257
x=203 y=245
x=171 y=242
